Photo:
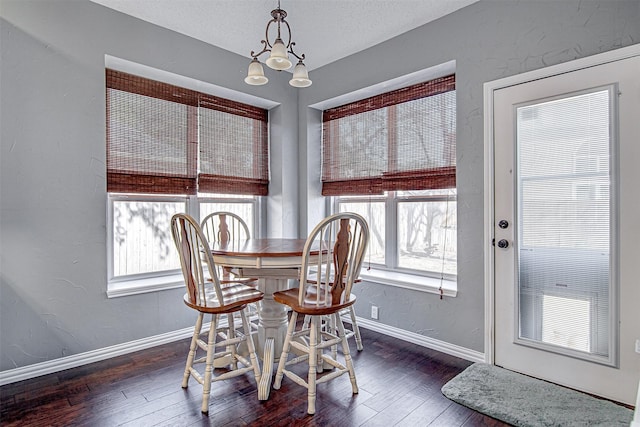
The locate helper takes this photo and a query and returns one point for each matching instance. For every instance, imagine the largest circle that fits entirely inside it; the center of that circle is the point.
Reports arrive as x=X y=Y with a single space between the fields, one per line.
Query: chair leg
x=347 y=354
x=285 y=351
x=254 y=319
x=208 y=371
x=246 y=326
x=356 y=329
x=313 y=360
x=192 y=350
x=331 y=328
x=307 y=320
x=232 y=348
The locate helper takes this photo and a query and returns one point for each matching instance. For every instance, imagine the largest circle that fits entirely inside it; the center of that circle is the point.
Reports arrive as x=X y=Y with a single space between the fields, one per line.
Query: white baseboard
x=57 y=365
x=412 y=337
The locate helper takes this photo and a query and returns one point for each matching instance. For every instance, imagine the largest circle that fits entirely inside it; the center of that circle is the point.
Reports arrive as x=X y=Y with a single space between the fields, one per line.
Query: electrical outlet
x=638 y=346
x=374 y=312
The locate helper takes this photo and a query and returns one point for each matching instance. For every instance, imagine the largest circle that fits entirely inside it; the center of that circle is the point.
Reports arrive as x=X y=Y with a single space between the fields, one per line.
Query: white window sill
x=411 y=281
x=122 y=288
x=392 y=278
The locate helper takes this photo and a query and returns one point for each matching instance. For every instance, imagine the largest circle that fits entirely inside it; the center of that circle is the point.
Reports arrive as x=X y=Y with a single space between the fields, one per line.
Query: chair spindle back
x=222 y=227
x=334 y=249
x=194 y=254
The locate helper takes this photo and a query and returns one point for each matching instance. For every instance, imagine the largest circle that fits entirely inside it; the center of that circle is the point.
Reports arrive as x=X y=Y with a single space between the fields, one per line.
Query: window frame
x=163 y=185
x=392 y=194
x=391 y=202
x=257 y=202
x=132 y=284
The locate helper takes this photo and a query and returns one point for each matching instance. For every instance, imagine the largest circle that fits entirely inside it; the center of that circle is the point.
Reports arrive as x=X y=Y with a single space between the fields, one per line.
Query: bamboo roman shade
x=234 y=155
x=164 y=139
x=400 y=140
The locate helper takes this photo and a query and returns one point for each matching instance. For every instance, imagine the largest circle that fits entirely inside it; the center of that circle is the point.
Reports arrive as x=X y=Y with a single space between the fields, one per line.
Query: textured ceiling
x=324 y=30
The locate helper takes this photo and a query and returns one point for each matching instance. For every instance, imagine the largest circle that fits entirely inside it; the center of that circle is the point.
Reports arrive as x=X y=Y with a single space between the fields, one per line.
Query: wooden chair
x=224 y=227
x=343 y=238
x=207 y=296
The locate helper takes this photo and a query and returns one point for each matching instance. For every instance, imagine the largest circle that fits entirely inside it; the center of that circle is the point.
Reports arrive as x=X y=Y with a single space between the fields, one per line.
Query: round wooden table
x=273 y=261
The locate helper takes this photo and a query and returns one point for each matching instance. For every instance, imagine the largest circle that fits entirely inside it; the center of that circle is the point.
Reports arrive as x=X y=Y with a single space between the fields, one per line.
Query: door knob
x=503 y=223
x=503 y=243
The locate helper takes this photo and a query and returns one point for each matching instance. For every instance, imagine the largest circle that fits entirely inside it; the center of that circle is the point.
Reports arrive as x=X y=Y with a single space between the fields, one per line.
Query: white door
x=567 y=228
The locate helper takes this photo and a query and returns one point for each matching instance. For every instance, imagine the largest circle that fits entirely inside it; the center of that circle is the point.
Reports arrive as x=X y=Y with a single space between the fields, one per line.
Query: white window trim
x=161 y=280
x=413 y=282
x=123 y=288
x=258 y=209
x=141 y=283
x=424 y=282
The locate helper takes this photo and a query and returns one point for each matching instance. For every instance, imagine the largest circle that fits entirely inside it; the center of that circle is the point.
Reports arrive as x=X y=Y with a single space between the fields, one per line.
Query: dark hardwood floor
x=399 y=385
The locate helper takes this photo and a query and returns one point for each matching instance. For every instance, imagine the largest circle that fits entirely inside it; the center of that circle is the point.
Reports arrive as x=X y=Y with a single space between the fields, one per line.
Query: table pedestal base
x=264 y=385
x=272 y=329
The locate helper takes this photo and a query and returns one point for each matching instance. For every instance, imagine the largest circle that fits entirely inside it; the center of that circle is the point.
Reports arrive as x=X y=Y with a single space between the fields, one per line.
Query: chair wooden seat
x=345 y=237
x=309 y=306
x=236 y=296
x=207 y=295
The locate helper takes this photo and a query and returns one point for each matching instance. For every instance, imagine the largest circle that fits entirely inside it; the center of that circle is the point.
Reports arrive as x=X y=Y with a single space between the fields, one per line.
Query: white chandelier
x=279 y=55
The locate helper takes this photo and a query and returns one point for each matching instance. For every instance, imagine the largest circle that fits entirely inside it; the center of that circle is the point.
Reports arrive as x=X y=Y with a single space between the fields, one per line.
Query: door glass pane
x=564 y=181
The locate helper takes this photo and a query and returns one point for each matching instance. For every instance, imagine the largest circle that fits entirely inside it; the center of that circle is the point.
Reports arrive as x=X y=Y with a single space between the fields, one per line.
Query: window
x=169 y=150
x=141 y=237
x=245 y=207
x=410 y=231
x=391 y=158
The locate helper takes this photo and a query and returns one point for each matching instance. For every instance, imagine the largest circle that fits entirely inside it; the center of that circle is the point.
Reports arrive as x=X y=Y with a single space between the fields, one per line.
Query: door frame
x=489 y=196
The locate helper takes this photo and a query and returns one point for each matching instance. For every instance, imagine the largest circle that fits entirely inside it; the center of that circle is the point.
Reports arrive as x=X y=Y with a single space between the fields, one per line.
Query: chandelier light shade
x=256 y=74
x=279 y=59
x=300 y=76
x=278 y=55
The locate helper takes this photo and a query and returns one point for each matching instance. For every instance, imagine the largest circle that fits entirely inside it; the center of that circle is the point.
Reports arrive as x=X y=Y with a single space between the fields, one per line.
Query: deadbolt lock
x=503 y=243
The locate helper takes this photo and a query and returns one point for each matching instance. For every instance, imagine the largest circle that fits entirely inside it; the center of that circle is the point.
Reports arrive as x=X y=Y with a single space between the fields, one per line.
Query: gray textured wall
x=52 y=189
x=488 y=40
